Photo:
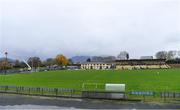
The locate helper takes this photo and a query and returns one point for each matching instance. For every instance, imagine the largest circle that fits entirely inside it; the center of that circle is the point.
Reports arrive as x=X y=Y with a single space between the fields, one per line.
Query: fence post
x=143 y=98
x=37 y=90
x=17 y=89
x=6 y=88
x=29 y=90
x=42 y=91
x=56 y=91
x=72 y=92
x=164 y=97
x=154 y=94
x=22 y=90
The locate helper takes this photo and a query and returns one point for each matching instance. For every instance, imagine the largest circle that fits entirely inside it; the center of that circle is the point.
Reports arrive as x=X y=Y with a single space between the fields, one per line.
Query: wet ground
x=9 y=101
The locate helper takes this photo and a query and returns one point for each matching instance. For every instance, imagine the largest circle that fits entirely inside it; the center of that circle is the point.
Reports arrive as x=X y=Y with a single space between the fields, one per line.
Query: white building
x=96 y=65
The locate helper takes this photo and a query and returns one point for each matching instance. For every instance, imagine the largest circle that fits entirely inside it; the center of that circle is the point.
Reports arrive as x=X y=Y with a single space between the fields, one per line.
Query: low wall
x=103 y=95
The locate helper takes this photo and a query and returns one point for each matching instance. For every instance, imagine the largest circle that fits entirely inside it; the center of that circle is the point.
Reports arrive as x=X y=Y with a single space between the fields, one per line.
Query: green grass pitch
x=144 y=80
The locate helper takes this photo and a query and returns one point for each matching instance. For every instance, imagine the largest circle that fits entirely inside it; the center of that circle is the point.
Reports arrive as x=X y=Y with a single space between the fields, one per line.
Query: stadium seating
x=142 y=64
x=132 y=67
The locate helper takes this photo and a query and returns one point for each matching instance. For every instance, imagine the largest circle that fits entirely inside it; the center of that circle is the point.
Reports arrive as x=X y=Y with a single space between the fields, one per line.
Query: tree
x=88 y=60
x=4 y=65
x=127 y=56
x=123 y=55
x=161 y=55
x=61 y=60
x=70 y=61
x=49 y=62
x=17 y=64
x=179 y=53
x=171 y=55
x=34 y=62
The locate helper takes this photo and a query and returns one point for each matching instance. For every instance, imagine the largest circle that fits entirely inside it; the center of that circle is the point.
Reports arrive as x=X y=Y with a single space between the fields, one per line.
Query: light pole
x=6 y=62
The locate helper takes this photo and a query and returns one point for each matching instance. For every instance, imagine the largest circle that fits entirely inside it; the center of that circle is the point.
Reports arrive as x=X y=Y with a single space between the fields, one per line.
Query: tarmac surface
x=10 y=101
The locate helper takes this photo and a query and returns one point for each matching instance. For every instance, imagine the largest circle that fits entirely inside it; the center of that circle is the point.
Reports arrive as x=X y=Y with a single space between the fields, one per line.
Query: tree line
x=168 y=55
x=35 y=62
x=62 y=61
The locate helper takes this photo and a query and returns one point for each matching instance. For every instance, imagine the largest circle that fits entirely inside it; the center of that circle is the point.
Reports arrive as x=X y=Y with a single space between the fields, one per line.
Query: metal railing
x=40 y=91
x=66 y=92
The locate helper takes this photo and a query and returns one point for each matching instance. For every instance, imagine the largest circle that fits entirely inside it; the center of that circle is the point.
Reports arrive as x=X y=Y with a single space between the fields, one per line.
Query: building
x=146 y=57
x=96 y=65
x=73 y=67
x=141 y=64
x=127 y=64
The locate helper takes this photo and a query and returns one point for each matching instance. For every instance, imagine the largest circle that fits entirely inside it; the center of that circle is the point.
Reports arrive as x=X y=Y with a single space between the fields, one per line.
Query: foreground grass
x=144 y=80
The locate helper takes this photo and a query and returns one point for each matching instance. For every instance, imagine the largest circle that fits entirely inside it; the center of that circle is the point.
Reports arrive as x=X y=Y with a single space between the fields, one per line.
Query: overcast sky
x=88 y=27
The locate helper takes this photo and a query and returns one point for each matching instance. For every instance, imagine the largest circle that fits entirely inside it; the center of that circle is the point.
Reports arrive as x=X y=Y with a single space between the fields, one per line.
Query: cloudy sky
x=88 y=27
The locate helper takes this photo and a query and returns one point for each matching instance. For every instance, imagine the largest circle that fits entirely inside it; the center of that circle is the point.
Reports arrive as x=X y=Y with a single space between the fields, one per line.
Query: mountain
x=103 y=58
x=79 y=59
x=9 y=59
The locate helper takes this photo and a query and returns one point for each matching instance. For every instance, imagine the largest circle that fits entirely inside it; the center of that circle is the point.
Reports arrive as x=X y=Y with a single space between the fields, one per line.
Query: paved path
x=19 y=101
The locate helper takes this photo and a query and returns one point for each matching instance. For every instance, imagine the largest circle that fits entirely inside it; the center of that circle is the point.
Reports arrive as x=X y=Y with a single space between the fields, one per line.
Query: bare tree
x=34 y=62
x=123 y=55
x=161 y=55
x=171 y=54
x=49 y=62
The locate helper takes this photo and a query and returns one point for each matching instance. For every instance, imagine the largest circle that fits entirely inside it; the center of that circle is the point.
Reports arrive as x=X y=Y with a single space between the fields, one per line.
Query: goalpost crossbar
x=94 y=85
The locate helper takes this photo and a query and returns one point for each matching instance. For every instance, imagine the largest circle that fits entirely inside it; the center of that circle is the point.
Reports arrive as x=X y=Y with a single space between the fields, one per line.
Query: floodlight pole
x=6 y=62
x=29 y=67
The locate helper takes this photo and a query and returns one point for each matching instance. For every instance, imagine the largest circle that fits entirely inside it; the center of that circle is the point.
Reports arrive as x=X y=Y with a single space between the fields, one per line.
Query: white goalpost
x=29 y=67
x=93 y=86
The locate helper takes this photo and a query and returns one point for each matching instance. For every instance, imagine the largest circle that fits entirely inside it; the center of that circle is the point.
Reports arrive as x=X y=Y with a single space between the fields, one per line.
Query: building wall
x=96 y=66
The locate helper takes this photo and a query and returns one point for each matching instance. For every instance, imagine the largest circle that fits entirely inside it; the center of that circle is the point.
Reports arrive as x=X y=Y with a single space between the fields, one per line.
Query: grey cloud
x=93 y=27
x=173 y=39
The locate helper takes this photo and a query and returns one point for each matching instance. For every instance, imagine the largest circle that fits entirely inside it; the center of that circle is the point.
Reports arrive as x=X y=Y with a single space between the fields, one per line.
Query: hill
x=9 y=59
x=80 y=59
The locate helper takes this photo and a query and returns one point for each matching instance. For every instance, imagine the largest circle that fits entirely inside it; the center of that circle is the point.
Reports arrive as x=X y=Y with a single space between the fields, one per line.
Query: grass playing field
x=148 y=80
